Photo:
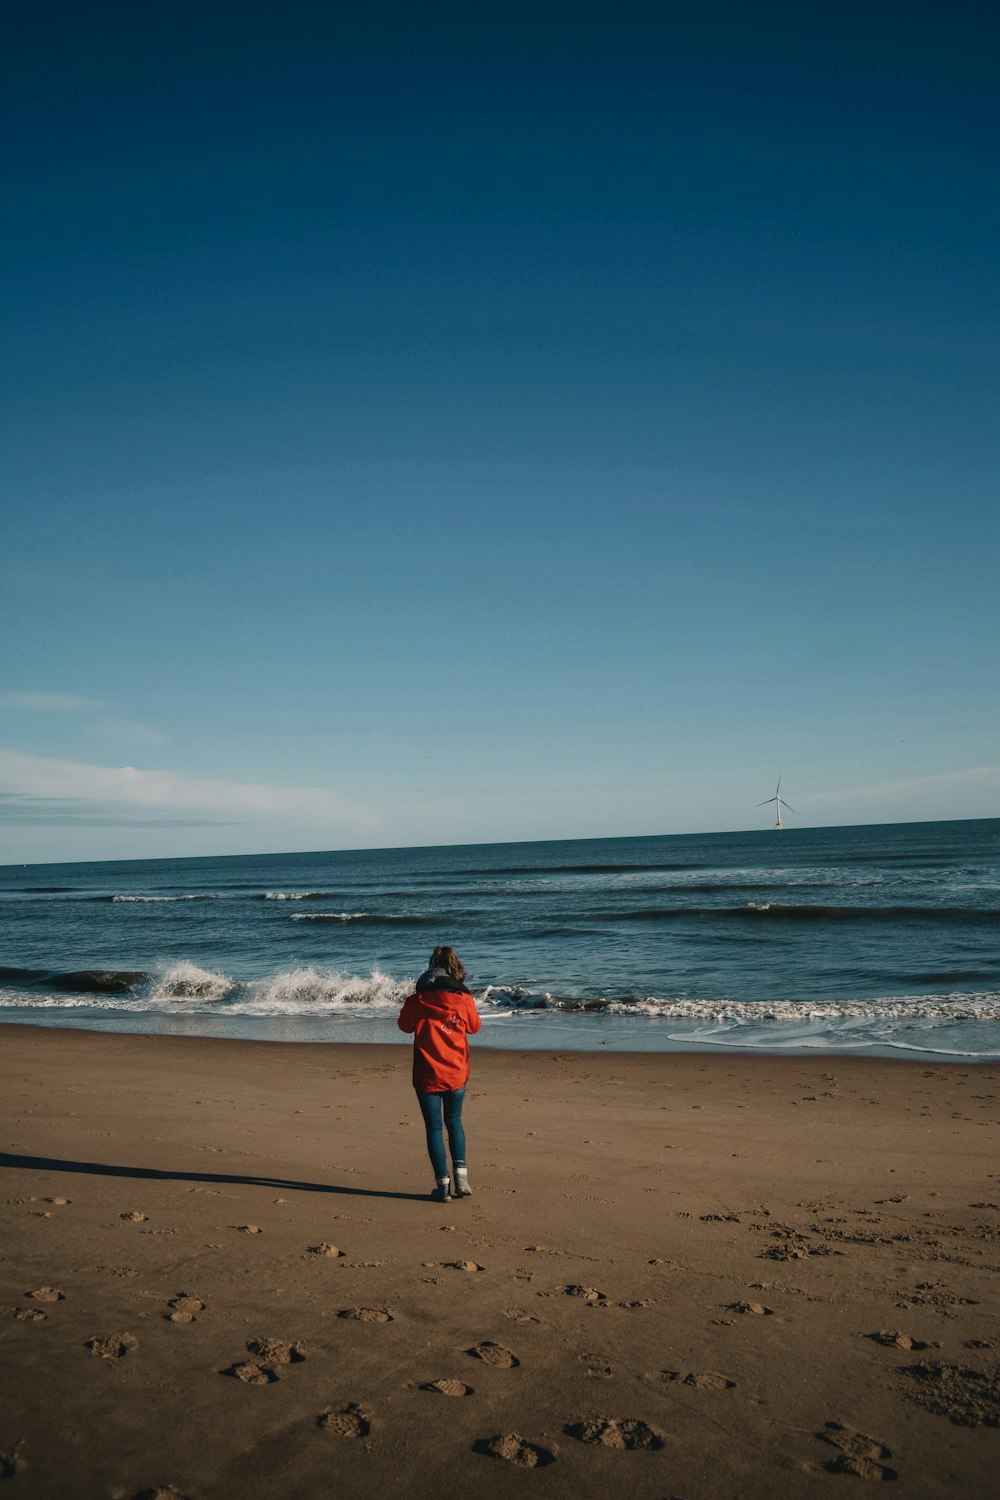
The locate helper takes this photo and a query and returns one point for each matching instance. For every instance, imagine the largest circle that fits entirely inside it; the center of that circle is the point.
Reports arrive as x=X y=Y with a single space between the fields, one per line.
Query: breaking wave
x=186 y=981
x=331 y=916
x=301 y=992
x=403 y=919
x=299 y=896
x=205 y=897
x=959 y=1024
x=312 y=987
x=972 y=1007
x=186 y=986
x=304 y=991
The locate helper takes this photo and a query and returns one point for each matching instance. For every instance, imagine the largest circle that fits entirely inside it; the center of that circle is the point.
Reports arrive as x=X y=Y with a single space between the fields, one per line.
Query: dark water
x=879 y=937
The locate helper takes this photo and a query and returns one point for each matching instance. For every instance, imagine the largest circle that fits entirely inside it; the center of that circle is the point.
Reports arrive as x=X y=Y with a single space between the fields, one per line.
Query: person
x=441 y=1015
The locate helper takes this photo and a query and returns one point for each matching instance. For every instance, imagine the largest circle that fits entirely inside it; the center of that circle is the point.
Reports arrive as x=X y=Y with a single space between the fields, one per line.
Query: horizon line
x=490 y=843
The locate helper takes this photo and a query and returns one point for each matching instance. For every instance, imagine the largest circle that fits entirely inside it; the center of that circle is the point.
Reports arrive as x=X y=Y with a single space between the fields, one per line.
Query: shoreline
x=479 y=1046
x=553 y=1035
x=686 y=1246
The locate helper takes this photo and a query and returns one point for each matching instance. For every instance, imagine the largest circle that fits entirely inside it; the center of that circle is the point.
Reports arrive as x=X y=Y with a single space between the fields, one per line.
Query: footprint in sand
x=588 y=1294
x=859 y=1454
x=251 y=1373
x=30 y=1315
x=615 y=1432
x=707 y=1380
x=754 y=1309
x=462 y=1265
x=248 y=1229
x=366 y=1314
x=448 y=1387
x=893 y=1339
x=597 y=1365
x=966 y=1396
x=114 y=1347
x=184 y=1308
x=47 y=1294
x=515 y=1449
x=494 y=1354
x=349 y=1420
x=276 y=1351
x=133 y=1216
x=520 y=1315
x=325 y=1251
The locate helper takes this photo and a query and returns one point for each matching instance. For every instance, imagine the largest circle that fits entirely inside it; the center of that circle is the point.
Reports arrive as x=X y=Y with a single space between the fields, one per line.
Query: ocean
x=880 y=939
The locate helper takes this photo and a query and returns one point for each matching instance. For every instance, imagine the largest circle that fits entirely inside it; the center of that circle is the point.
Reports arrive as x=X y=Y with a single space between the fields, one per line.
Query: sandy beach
x=678 y=1276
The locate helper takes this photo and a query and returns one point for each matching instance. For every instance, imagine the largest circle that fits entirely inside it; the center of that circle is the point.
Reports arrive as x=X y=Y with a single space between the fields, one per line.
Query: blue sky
x=429 y=425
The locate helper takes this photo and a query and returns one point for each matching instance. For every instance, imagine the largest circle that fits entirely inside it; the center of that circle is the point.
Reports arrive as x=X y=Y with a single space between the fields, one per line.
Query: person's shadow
x=154 y=1174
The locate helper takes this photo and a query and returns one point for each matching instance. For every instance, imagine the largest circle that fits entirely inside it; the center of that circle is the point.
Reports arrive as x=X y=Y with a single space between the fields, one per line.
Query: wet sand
x=678 y=1275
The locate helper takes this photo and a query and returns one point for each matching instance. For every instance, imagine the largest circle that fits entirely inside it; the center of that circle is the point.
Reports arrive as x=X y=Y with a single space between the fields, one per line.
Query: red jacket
x=441 y=1021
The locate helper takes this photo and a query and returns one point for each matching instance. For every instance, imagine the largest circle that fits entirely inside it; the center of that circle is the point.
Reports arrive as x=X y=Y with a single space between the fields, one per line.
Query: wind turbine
x=778 y=799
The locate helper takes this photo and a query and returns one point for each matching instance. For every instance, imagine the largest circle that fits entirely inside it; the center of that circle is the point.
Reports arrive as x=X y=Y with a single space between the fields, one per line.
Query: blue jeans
x=448 y=1105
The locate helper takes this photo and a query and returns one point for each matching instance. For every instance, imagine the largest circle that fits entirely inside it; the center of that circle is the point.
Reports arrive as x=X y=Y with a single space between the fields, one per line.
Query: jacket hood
x=439 y=979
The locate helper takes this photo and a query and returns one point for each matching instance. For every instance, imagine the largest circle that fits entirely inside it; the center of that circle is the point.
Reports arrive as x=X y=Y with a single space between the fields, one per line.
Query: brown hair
x=448 y=959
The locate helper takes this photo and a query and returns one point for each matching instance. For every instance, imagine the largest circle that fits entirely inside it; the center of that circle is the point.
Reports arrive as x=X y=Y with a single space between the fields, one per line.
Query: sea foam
x=298 y=895
x=303 y=992
x=186 y=981
x=309 y=991
x=157 y=899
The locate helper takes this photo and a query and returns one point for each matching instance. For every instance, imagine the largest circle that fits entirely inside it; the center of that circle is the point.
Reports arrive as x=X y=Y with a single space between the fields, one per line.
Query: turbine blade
x=787 y=804
x=766 y=801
